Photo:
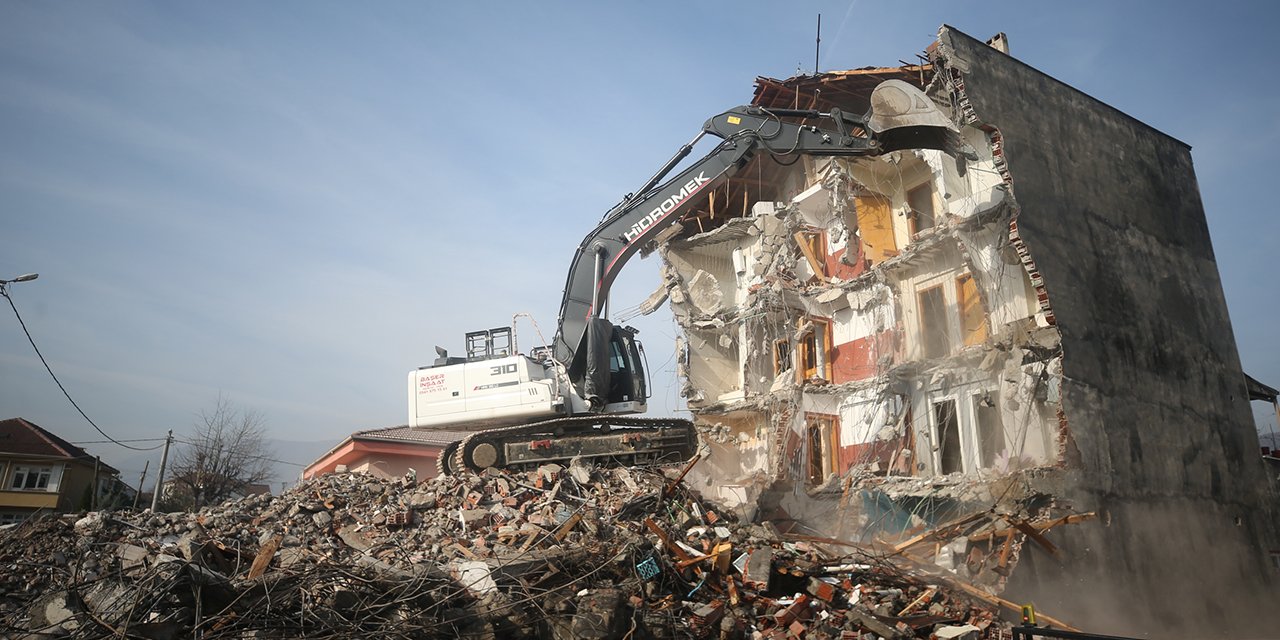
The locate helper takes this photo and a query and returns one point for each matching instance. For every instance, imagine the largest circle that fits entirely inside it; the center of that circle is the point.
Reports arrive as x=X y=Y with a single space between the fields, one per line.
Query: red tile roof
x=20 y=437
x=407 y=434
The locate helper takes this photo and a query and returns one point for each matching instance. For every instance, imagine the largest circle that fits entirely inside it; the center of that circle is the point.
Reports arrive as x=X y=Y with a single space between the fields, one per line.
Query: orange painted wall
x=838 y=269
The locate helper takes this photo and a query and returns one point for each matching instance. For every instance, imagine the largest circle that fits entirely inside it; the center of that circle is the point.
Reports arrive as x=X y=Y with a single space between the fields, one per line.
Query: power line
x=4 y=291
x=105 y=441
x=247 y=455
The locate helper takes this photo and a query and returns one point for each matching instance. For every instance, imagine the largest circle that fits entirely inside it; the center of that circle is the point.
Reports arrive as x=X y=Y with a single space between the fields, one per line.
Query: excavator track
x=445 y=462
x=603 y=439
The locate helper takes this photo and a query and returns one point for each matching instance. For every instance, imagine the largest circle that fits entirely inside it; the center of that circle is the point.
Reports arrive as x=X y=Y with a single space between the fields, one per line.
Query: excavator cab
x=628 y=384
x=608 y=369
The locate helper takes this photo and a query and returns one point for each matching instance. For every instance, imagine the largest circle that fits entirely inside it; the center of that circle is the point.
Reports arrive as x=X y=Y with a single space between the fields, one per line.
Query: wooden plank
x=1001 y=602
x=671 y=485
x=666 y=541
x=1008 y=546
x=263 y=559
x=819 y=269
x=924 y=598
x=952 y=581
x=692 y=561
x=939 y=533
x=1067 y=519
x=1039 y=526
x=1030 y=531
x=533 y=535
x=568 y=526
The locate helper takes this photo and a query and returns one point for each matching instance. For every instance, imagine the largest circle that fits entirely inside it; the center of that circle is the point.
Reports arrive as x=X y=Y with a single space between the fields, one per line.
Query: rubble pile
x=576 y=552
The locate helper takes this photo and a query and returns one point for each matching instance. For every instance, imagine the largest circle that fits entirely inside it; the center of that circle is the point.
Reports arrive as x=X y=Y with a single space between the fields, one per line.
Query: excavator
x=578 y=396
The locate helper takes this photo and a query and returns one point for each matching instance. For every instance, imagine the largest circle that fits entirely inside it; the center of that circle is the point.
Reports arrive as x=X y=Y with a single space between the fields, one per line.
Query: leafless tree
x=223 y=456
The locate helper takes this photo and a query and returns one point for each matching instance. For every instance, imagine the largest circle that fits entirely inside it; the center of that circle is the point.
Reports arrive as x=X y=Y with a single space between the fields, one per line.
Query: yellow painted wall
x=29 y=499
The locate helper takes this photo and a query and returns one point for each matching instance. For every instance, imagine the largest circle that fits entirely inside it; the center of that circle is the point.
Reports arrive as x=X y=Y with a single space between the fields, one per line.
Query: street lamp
x=26 y=277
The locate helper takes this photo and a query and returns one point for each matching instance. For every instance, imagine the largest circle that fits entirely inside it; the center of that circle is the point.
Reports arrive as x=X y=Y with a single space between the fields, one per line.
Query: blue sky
x=291 y=203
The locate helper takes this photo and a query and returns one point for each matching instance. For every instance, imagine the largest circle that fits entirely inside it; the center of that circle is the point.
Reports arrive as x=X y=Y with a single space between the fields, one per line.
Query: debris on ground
x=556 y=552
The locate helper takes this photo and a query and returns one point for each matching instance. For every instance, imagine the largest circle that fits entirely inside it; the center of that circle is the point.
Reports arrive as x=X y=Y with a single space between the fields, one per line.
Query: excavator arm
x=906 y=119
x=901 y=117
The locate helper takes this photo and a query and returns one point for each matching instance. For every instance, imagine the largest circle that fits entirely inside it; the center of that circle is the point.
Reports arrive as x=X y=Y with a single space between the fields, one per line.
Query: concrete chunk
x=705 y=293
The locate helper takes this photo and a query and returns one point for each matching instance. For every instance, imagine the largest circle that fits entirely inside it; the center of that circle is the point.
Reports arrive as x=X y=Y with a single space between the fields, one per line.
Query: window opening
x=973 y=322
x=920 y=215
x=875 y=227
x=947 y=423
x=31 y=478
x=820 y=434
x=934 y=332
x=986 y=412
x=781 y=356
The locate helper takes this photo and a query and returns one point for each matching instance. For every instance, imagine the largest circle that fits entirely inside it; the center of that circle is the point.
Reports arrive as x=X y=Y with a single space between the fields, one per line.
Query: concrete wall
x=1153 y=392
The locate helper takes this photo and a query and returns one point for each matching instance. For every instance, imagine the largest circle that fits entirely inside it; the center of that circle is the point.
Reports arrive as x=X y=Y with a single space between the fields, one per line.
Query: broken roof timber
x=855 y=85
x=1259 y=391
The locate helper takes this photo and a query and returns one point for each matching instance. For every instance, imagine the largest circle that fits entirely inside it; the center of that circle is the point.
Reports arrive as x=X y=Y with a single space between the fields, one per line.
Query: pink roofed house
x=387 y=452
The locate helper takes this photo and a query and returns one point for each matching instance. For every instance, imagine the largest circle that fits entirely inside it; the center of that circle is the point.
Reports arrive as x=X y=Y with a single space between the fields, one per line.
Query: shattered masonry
x=875 y=346
x=564 y=553
x=870 y=316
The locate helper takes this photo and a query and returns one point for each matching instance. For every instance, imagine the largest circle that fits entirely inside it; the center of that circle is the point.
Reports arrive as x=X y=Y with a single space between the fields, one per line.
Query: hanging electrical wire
x=4 y=291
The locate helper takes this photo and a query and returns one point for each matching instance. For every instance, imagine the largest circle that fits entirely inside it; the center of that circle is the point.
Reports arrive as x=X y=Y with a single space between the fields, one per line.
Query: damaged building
x=873 y=346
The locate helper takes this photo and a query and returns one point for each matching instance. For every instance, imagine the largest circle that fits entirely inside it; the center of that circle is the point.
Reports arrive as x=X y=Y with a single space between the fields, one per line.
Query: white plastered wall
x=715 y=364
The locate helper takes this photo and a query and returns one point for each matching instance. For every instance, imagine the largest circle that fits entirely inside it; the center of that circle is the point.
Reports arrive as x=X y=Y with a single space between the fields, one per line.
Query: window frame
x=51 y=479
x=921 y=332
x=935 y=427
x=828 y=429
x=805 y=347
x=973 y=398
x=983 y=330
x=782 y=352
x=812 y=243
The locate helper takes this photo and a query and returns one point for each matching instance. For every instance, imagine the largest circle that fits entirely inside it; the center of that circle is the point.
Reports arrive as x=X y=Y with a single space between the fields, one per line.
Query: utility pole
x=164 y=458
x=138 y=494
x=93 y=491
